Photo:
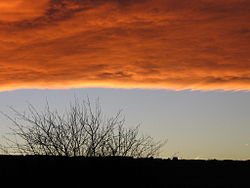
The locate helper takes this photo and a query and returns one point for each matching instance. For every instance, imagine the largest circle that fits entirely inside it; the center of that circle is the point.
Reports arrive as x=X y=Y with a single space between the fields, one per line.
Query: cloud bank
x=168 y=44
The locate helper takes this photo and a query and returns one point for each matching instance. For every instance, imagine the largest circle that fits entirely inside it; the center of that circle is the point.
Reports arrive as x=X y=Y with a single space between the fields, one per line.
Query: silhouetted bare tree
x=82 y=130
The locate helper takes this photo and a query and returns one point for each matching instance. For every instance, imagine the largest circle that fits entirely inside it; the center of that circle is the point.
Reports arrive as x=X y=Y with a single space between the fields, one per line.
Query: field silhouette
x=122 y=172
x=81 y=148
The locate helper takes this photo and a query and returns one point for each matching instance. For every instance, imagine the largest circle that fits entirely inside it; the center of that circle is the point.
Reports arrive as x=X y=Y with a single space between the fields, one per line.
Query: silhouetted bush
x=82 y=130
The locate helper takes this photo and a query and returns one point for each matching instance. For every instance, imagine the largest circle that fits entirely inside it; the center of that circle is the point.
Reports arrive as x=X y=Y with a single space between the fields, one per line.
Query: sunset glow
x=167 y=44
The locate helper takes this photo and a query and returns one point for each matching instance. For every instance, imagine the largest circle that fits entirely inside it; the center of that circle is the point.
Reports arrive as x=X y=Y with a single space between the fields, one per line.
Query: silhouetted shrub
x=82 y=130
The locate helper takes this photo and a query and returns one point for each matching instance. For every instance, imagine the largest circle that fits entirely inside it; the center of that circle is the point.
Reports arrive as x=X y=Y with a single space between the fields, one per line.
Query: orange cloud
x=169 y=44
x=17 y=10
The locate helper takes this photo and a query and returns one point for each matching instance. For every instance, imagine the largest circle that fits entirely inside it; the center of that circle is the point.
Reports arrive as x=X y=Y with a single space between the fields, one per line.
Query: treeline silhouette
x=122 y=172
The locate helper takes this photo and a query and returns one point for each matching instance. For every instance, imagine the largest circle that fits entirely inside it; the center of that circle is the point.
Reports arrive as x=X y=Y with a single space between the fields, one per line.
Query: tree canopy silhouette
x=82 y=130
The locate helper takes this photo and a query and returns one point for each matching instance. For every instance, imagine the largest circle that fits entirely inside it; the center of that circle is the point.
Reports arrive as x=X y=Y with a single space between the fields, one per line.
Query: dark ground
x=36 y=171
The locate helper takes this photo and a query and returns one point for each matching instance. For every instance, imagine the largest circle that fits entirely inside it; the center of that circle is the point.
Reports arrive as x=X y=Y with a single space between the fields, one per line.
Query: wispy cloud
x=172 y=44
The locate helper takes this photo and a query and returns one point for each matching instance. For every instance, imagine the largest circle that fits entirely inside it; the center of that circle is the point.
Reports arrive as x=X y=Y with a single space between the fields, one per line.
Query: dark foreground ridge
x=122 y=172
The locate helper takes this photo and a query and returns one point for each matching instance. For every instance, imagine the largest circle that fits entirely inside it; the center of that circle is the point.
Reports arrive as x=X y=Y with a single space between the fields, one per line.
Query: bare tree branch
x=82 y=131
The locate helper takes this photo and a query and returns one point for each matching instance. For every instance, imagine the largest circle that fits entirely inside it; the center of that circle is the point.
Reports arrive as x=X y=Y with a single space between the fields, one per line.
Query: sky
x=181 y=67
